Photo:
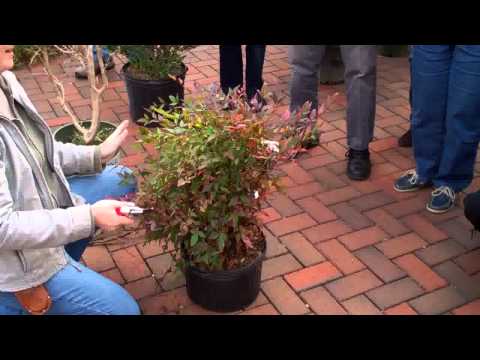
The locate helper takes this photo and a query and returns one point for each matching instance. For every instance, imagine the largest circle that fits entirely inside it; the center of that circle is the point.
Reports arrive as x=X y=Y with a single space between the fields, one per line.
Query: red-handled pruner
x=130 y=211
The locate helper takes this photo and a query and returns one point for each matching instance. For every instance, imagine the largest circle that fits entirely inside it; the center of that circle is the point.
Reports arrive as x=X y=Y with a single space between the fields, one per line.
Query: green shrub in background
x=153 y=62
x=393 y=50
x=24 y=53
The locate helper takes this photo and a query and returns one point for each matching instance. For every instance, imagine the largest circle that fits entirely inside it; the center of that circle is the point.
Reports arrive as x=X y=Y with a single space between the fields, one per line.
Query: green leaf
x=221 y=241
x=194 y=239
x=138 y=147
x=176 y=131
x=143 y=131
x=210 y=138
x=235 y=220
x=154 y=235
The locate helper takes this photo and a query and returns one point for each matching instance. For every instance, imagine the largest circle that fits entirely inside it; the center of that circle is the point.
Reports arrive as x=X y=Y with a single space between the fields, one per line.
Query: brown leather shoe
x=81 y=72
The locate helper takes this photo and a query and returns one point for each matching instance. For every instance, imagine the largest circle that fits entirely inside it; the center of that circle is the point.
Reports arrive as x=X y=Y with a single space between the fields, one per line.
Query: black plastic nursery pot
x=225 y=291
x=66 y=134
x=144 y=93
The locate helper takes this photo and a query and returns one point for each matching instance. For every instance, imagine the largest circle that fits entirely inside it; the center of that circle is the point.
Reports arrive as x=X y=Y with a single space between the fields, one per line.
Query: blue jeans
x=446 y=112
x=95 y=188
x=77 y=290
x=105 y=53
x=410 y=56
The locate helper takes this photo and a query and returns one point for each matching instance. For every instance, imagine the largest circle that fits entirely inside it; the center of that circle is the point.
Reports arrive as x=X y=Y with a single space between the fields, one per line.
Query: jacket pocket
x=23 y=260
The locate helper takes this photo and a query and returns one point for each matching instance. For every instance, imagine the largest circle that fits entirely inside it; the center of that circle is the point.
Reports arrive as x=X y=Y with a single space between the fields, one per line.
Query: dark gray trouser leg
x=361 y=85
x=305 y=61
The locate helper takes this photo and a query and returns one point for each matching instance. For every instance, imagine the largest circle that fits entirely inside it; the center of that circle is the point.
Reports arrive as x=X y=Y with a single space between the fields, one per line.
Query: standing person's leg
x=81 y=72
x=254 y=69
x=95 y=188
x=361 y=86
x=462 y=124
x=105 y=54
x=430 y=76
x=77 y=290
x=231 y=67
x=305 y=61
x=406 y=139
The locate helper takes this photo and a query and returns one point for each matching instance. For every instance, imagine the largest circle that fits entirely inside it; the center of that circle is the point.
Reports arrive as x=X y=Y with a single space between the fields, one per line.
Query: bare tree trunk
x=83 y=53
x=59 y=89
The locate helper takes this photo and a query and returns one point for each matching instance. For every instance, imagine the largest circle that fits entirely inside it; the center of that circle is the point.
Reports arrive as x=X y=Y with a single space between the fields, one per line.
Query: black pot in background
x=225 y=291
x=66 y=133
x=144 y=93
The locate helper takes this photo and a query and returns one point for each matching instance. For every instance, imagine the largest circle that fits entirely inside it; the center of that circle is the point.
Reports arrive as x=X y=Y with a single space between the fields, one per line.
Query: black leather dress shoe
x=471 y=205
x=359 y=165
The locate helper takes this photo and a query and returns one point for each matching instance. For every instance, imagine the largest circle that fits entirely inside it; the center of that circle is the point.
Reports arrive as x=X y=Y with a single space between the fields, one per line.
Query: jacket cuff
x=83 y=223
x=97 y=160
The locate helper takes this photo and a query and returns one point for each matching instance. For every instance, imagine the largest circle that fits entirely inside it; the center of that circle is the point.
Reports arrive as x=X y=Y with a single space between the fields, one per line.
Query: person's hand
x=112 y=144
x=105 y=215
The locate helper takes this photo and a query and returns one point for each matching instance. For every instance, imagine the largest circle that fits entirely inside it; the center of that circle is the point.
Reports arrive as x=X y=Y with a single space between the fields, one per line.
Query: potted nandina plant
x=152 y=73
x=206 y=189
x=94 y=131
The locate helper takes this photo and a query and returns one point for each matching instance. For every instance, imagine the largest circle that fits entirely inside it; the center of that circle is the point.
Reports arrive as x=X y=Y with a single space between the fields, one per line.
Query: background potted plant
x=153 y=73
x=393 y=50
x=204 y=192
x=94 y=131
x=24 y=55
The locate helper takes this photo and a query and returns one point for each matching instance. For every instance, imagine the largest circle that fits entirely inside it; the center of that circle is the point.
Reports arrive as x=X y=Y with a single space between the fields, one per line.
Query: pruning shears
x=131 y=211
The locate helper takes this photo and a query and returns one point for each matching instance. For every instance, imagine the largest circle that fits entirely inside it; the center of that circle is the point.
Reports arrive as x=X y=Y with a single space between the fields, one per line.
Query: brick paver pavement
x=334 y=246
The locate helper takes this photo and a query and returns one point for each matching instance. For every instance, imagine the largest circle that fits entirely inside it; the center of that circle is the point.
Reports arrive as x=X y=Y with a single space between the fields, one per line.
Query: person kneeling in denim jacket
x=40 y=215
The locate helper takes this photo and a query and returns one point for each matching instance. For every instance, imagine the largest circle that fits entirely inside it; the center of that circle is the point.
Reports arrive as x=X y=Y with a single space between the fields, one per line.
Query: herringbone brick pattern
x=334 y=246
